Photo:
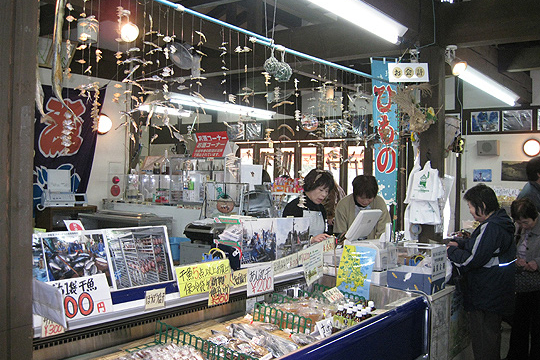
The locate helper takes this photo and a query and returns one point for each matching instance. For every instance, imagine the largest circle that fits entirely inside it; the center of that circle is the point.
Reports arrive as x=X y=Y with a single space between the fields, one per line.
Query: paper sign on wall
x=193 y=279
x=408 y=72
x=260 y=279
x=85 y=296
x=219 y=289
x=239 y=278
x=154 y=299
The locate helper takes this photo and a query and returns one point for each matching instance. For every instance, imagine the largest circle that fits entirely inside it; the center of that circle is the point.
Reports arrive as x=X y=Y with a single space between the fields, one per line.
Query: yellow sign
x=194 y=279
x=239 y=278
x=219 y=289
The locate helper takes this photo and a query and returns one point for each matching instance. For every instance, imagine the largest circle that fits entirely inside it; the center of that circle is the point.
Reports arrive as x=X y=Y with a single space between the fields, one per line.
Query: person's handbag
x=527 y=281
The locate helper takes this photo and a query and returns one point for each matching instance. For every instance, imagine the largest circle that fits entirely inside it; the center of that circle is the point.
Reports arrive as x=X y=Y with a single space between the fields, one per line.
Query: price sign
x=333 y=295
x=313 y=267
x=50 y=328
x=239 y=278
x=285 y=263
x=329 y=244
x=219 y=290
x=85 y=296
x=303 y=256
x=325 y=327
x=260 y=279
x=194 y=279
x=154 y=299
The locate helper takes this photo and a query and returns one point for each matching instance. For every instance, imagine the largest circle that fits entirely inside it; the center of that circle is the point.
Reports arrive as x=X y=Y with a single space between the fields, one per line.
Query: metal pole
x=267 y=41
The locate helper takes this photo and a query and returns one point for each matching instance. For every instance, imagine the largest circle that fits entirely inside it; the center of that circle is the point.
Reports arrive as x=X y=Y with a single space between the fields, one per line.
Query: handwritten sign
x=219 y=290
x=325 y=327
x=333 y=295
x=329 y=244
x=194 y=279
x=260 y=279
x=313 y=268
x=85 y=296
x=239 y=278
x=50 y=328
x=285 y=263
x=210 y=144
x=154 y=299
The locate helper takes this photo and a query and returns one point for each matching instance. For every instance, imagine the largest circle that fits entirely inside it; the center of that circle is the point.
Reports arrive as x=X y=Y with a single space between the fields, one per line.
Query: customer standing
x=526 y=322
x=531 y=189
x=317 y=185
x=486 y=262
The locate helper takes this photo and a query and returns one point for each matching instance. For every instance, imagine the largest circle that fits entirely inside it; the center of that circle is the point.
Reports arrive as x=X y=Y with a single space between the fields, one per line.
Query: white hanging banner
x=408 y=72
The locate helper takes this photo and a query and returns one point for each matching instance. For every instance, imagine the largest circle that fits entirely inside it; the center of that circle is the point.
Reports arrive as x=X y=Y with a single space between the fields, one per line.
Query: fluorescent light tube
x=170 y=110
x=365 y=16
x=209 y=104
x=490 y=86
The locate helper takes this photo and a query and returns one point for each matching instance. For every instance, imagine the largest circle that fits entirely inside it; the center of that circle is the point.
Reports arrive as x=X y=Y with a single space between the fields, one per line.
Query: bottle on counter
x=371 y=304
x=166 y=165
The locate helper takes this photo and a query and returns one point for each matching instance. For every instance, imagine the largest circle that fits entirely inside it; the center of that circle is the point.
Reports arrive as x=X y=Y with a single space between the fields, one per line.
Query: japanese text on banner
x=385 y=118
x=219 y=289
x=193 y=279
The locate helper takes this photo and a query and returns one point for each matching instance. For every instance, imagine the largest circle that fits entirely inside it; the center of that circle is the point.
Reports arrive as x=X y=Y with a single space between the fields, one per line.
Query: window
x=355 y=164
x=309 y=160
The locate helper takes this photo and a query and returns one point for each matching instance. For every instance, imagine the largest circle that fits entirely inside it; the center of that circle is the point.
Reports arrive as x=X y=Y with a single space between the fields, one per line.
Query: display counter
x=403 y=320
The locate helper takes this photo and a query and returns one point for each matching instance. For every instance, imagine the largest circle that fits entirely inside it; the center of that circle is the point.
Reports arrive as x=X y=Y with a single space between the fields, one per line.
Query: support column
x=432 y=140
x=18 y=40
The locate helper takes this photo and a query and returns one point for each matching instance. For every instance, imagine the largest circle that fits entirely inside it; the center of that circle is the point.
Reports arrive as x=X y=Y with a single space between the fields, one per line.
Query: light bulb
x=104 y=124
x=129 y=32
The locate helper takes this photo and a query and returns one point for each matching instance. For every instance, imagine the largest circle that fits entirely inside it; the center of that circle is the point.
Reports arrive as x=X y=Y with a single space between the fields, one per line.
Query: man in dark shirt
x=531 y=189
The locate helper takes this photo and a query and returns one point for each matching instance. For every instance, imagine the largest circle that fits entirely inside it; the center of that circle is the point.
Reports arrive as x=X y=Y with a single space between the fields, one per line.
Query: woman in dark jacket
x=486 y=262
x=526 y=323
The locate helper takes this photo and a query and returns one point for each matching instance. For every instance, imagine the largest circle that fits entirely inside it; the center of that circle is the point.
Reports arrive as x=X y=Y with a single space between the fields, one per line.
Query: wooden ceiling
x=498 y=37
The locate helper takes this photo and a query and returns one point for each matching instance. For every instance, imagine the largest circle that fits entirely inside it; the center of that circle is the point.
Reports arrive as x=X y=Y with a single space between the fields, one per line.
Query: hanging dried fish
x=284 y=137
x=81 y=61
x=88 y=70
x=134 y=83
x=137 y=60
x=285 y=126
x=70 y=18
x=99 y=55
x=130 y=72
x=118 y=54
x=200 y=52
x=203 y=37
x=69 y=6
x=153 y=138
x=283 y=103
x=232 y=98
x=57 y=73
x=153 y=78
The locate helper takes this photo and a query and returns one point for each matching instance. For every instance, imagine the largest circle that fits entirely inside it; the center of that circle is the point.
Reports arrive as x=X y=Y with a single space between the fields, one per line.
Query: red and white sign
x=85 y=296
x=211 y=144
x=74 y=225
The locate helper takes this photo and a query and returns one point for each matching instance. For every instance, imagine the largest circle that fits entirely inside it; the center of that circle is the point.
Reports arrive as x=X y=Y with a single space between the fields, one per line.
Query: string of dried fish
x=283 y=103
x=285 y=126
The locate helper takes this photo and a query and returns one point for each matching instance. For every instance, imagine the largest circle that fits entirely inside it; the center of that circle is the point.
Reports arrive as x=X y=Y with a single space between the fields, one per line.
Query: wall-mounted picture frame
x=482 y=175
x=236 y=132
x=513 y=171
x=517 y=120
x=485 y=121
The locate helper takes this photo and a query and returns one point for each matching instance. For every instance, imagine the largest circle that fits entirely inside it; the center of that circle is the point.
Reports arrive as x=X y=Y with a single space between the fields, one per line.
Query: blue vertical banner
x=386 y=122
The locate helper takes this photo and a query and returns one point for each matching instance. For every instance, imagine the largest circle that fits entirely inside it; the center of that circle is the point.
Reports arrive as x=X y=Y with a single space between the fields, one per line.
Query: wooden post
x=18 y=40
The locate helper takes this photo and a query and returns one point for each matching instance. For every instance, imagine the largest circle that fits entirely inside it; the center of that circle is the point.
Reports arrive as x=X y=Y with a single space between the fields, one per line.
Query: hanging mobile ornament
x=284 y=70
x=271 y=64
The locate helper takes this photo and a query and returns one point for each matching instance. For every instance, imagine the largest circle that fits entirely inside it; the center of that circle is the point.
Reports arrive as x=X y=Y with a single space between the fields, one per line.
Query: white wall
x=110 y=154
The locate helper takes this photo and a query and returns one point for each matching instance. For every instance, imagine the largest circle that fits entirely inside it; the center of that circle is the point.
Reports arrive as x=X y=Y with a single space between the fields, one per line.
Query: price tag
x=333 y=295
x=154 y=299
x=194 y=279
x=329 y=244
x=239 y=278
x=260 y=279
x=50 y=328
x=325 y=327
x=219 y=288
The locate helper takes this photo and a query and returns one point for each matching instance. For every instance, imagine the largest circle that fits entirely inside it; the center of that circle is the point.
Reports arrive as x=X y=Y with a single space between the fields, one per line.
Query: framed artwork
x=485 y=121
x=253 y=131
x=513 y=171
x=334 y=129
x=517 y=120
x=482 y=175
